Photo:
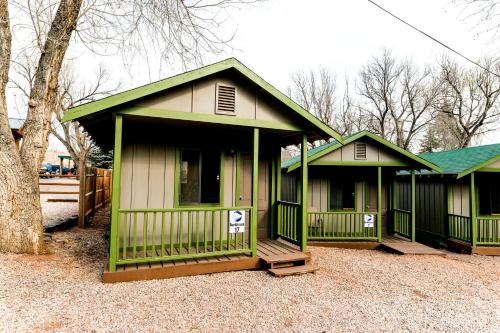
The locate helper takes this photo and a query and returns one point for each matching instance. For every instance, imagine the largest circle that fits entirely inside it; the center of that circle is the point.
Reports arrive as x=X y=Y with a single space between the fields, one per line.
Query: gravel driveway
x=55 y=213
x=354 y=291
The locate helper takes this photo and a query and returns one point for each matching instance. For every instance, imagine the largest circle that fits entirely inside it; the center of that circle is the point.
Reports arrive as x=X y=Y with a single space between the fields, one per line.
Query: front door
x=263 y=192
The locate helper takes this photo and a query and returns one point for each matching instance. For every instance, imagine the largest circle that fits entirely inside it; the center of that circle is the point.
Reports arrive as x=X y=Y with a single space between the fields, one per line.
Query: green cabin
x=460 y=207
x=352 y=198
x=196 y=173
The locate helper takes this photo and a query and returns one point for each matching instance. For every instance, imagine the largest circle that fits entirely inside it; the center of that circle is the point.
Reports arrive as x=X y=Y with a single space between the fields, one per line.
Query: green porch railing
x=288 y=214
x=402 y=222
x=341 y=226
x=152 y=235
x=488 y=230
x=459 y=227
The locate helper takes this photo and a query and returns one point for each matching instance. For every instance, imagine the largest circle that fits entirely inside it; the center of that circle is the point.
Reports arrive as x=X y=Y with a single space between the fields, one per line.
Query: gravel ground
x=354 y=291
x=55 y=213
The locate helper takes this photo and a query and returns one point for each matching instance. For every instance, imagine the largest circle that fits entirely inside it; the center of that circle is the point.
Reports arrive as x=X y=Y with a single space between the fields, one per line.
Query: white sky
x=278 y=37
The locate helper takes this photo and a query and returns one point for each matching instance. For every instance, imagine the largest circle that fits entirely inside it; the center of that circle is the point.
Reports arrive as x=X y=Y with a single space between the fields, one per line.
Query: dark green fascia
x=136 y=93
x=376 y=138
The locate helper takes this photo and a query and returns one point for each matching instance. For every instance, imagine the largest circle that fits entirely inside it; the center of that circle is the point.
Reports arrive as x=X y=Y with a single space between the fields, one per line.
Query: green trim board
x=358 y=163
x=320 y=151
x=115 y=195
x=177 y=80
x=207 y=118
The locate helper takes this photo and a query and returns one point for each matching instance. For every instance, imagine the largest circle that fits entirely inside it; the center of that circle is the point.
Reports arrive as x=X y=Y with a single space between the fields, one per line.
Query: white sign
x=236 y=221
x=369 y=220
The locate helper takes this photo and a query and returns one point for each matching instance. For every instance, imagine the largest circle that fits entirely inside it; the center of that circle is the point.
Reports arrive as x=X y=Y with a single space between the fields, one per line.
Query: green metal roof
x=319 y=151
x=311 y=152
x=177 y=80
x=465 y=160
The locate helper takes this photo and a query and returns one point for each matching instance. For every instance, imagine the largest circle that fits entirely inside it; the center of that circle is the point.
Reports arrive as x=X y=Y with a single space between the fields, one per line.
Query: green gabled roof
x=139 y=92
x=315 y=153
x=464 y=160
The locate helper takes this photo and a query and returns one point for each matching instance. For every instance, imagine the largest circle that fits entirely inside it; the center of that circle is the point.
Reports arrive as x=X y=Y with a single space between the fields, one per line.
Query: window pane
x=210 y=174
x=190 y=177
x=342 y=194
x=199 y=176
x=489 y=197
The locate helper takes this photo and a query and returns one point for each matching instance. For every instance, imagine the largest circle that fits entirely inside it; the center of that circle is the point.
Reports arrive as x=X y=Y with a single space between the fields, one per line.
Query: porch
x=279 y=257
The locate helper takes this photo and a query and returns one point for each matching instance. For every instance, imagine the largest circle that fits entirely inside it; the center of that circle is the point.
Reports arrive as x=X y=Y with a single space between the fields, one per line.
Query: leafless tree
x=398 y=98
x=484 y=14
x=175 y=29
x=316 y=91
x=470 y=97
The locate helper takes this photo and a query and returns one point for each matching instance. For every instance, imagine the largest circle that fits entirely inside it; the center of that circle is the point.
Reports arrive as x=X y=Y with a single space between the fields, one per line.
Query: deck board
x=188 y=267
x=402 y=246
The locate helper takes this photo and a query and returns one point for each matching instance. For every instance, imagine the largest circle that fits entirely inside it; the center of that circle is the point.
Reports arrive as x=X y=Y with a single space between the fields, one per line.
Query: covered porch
x=354 y=199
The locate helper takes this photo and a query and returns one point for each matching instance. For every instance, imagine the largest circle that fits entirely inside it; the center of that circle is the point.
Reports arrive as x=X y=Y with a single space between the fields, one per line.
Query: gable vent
x=360 y=151
x=226 y=100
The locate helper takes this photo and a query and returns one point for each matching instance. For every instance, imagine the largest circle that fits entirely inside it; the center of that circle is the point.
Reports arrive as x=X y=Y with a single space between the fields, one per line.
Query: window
x=360 y=151
x=199 y=181
x=342 y=194
x=225 y=100
x=489 y=198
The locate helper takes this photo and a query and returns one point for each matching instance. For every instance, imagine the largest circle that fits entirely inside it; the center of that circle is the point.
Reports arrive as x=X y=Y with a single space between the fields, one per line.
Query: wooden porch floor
x=266 y=250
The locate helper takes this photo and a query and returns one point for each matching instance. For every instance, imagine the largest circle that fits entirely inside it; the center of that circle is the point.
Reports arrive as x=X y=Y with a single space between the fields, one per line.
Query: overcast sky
x=278 y=37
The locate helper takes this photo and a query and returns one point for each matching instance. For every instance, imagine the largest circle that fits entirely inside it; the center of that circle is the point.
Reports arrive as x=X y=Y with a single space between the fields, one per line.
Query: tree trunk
x=21 y=220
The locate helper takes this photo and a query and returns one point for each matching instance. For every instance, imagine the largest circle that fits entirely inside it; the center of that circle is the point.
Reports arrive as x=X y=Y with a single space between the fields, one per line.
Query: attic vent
x=226 y=100
x=360 y=151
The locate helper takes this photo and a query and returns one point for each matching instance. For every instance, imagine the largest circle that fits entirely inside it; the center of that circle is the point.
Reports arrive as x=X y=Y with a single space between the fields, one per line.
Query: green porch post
x=473 y=213
x=303 y=193
x=115 y=199
x=272 y=203
x=379 y=204
x=413 y=205
x=255 y=185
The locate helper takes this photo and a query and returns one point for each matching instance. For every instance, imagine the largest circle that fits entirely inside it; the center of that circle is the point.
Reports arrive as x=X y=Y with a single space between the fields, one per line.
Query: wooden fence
x=95 y=192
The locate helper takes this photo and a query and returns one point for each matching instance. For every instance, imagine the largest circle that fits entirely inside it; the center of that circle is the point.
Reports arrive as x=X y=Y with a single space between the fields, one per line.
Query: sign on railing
x=342 y=225
x=151 y=235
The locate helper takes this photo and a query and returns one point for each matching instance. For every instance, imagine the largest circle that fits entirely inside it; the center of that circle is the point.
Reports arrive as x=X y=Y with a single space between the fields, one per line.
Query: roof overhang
x=121 y=103
x=418 y=160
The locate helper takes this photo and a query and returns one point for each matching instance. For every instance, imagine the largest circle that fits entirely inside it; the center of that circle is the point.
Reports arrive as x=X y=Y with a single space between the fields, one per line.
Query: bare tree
x=177 y=30
x=398 y=98
x=72 y=92
x=485 y=15
x=441 y=134
x=316 y=91
x=470 y=97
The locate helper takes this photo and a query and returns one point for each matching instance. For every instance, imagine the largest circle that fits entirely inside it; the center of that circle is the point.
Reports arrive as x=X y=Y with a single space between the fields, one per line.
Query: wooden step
x=286 y=257
x=294 y=270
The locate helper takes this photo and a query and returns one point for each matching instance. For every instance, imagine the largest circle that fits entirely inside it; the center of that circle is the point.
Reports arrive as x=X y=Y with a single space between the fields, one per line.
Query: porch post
x=473 y=220
x=255 y=188
x=379 y=204
x=413 y=205
x=303 y=193
x=272 y=203
x=115 y=198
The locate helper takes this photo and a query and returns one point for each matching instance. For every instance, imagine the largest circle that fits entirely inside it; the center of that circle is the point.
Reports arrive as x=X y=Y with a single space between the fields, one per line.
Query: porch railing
x=459 y=227
x=342 y=225
x=288 y=214
x=152 y=235
x=488 y=230
x=402 y=222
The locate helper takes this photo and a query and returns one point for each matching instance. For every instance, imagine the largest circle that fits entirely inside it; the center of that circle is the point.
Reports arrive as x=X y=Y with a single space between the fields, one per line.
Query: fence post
x=81 y=198
x=94 y=190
